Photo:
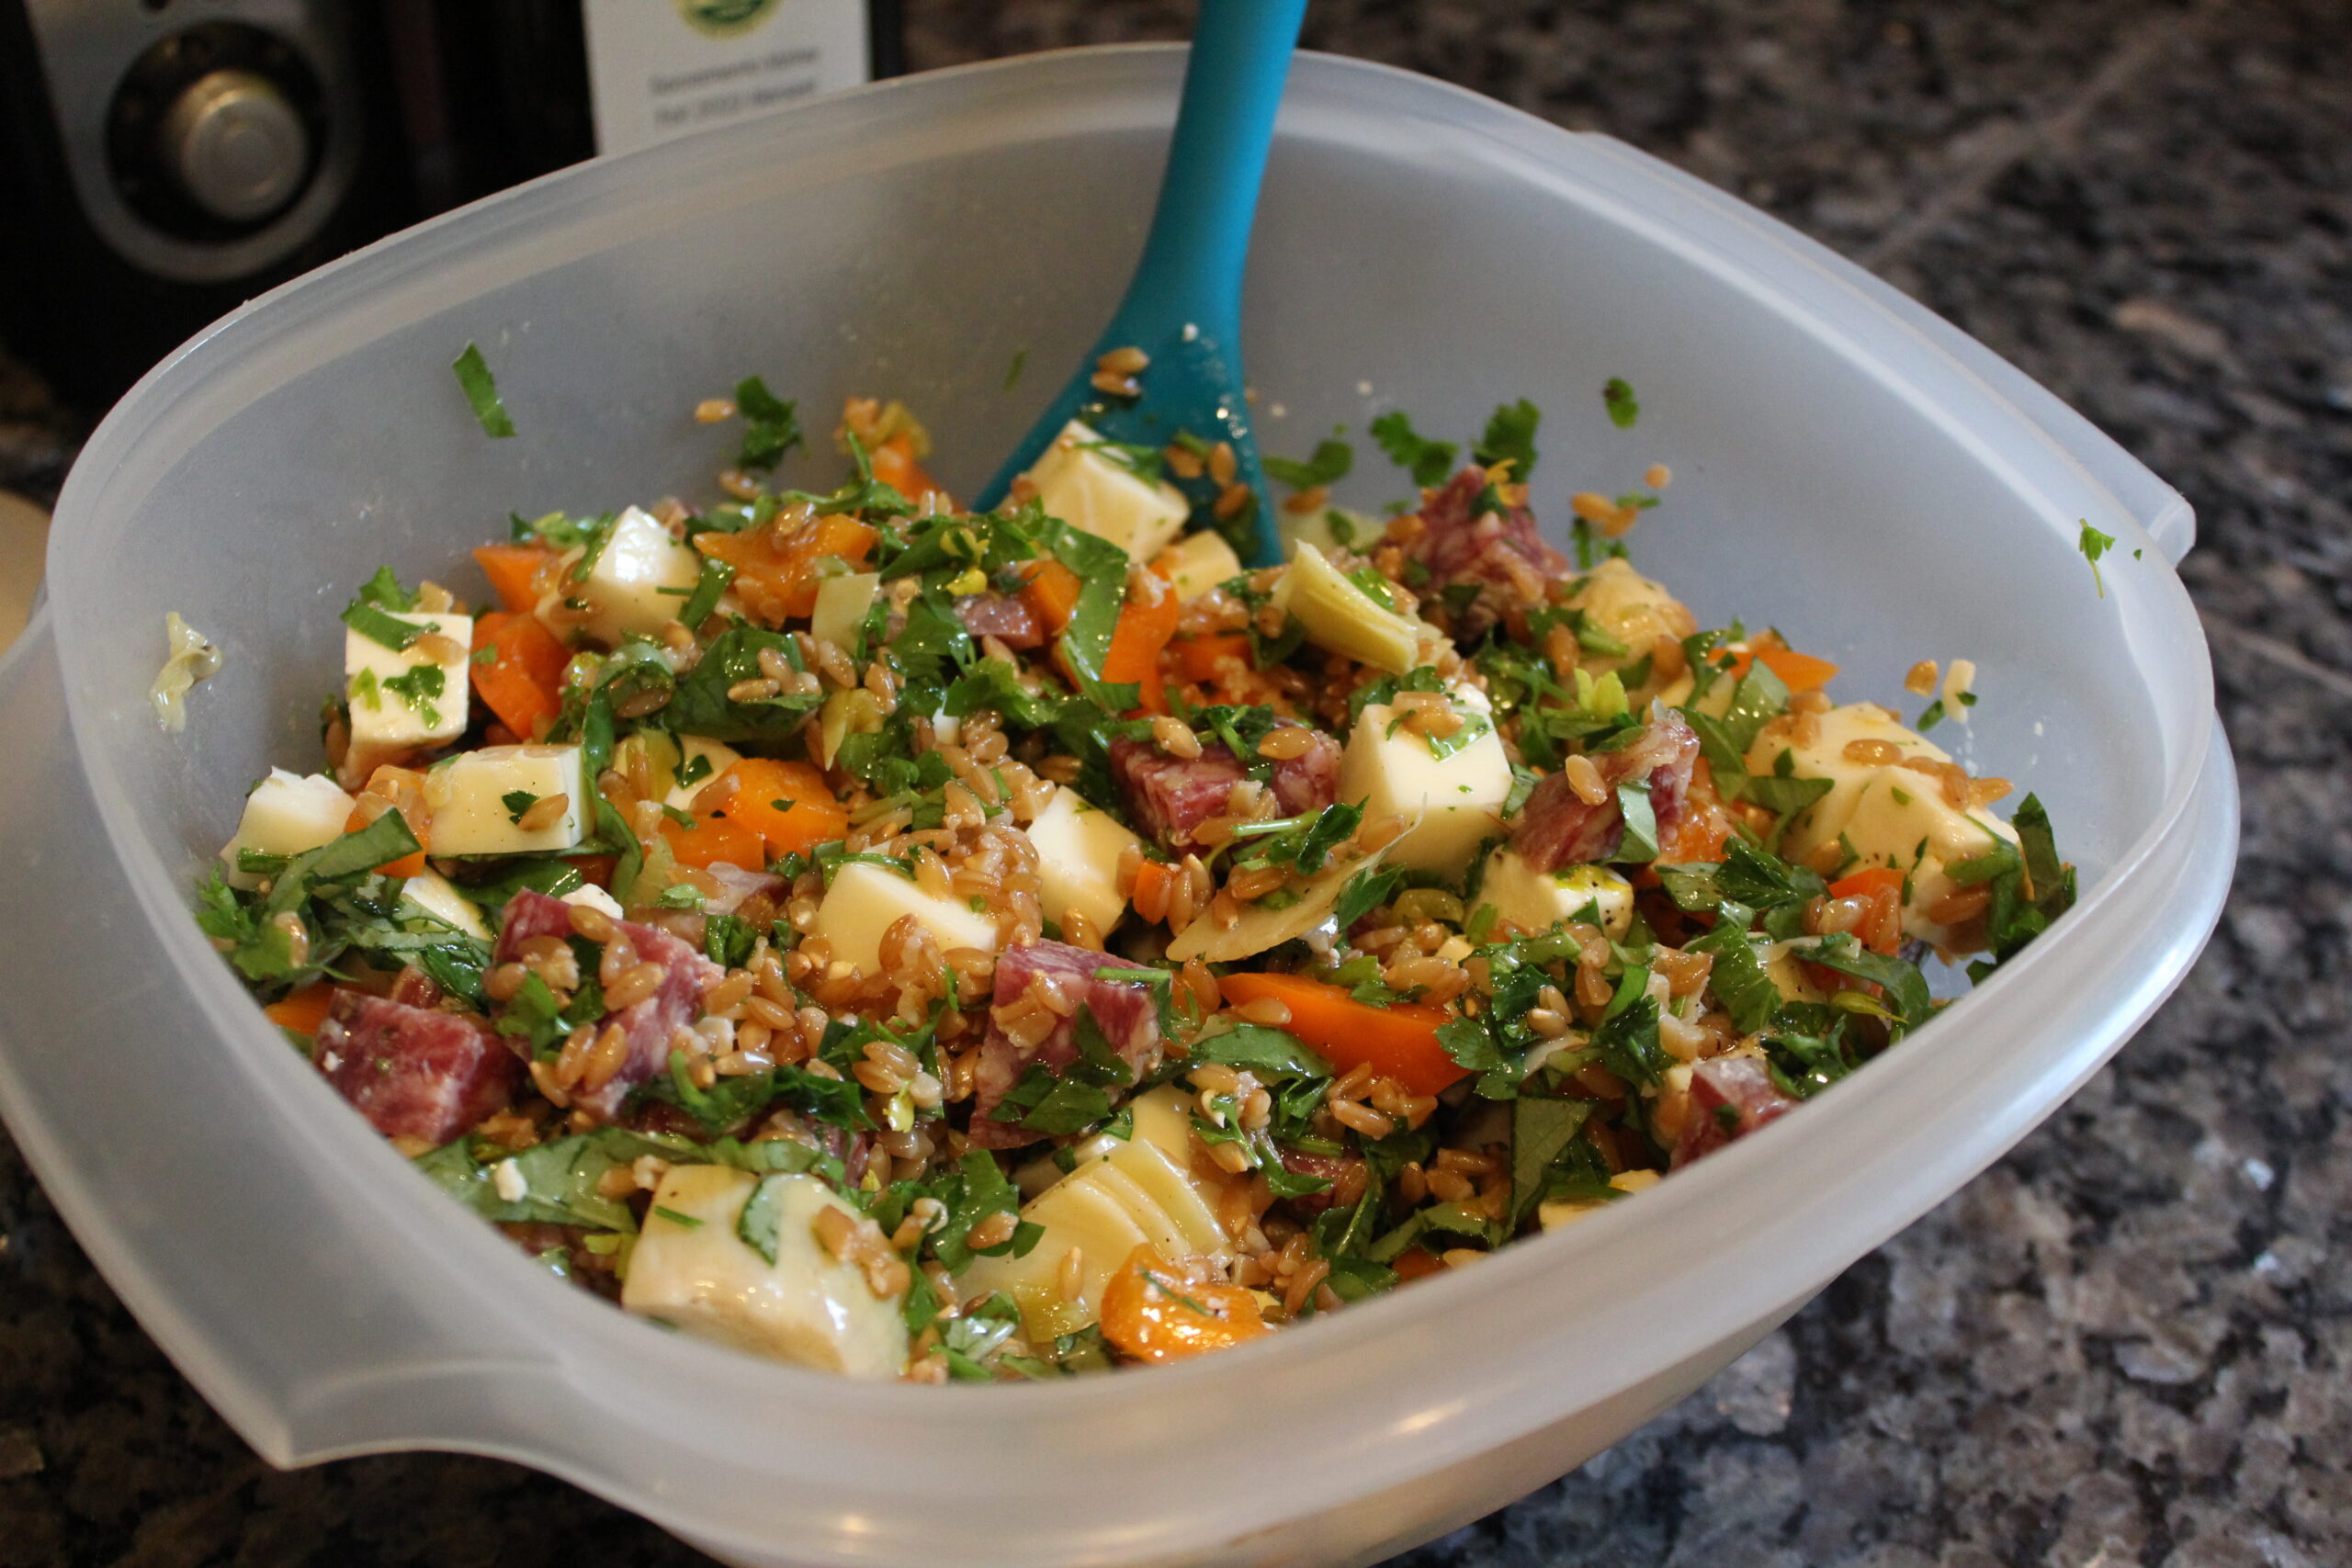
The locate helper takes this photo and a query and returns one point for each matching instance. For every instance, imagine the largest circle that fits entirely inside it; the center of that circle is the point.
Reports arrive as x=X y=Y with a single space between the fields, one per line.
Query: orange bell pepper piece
x=523 y=682
x=1155 y=1312
x=895 y=465
x=1798 y=672
x=786 y=804
x=1136 y=644
x=1398 y=1041
x=1197 y=658
x=510 y=568
x=1051 y=590
x=302 y=1011
x=708 y=840
x=782 y=580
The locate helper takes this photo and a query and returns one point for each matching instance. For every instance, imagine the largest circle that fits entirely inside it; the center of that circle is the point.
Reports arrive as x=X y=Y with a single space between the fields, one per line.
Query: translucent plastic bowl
x=1846 y=468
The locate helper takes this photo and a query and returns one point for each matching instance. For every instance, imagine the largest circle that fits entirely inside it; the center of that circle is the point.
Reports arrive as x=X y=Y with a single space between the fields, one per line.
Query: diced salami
x=413 y=1072
x=1127 y=1013
x=1009 y=621
x=1730 y=1098
x=1170 y=796
x=1502 y=552
x=1557 y=828
x=646 y=1025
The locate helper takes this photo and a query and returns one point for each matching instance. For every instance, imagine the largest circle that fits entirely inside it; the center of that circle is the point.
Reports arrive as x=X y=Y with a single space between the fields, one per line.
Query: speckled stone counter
x=2124 y=1344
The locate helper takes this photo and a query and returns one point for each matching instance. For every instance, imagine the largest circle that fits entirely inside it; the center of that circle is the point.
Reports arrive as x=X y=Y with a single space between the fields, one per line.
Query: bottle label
x=659 y=68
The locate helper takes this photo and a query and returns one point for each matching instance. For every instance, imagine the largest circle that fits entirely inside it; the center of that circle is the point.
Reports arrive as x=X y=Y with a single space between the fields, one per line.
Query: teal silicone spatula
x=1183 y=307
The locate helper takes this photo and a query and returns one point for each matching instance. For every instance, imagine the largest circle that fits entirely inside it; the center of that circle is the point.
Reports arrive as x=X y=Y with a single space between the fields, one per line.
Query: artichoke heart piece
x=1338 y=616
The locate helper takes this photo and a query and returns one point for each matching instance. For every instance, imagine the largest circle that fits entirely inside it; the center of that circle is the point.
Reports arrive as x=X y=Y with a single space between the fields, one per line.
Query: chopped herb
x=419 y=688
x=1510 y=438
x=1328 y=466
x=771 y=426
x=716 y=575
x=379 y=627
x=2094 y=543
x=675 y=1218
x=1428 y=461
x=1617 y=396
x=482 y=391
x=517 y=803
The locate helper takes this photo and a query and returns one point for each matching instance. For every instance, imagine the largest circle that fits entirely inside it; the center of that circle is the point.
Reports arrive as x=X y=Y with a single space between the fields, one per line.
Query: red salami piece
x=1556 y=829
x=648 y=1024
x=1730 y=1098
x=1009 y=621
x=1170 y=796
x=413 y=1072
x=1501 y=552
x=1127 y=1013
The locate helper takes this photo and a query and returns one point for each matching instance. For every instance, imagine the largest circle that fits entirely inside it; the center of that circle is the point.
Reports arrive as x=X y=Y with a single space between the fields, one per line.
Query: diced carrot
x=1416 y=1263
x=409 y=865
x=1155 y=1312
x=523 y=683
x=1197 y=658
x=1798 y=672
x=1051 y=590
x=302 y=1011
x=895 y=465
x=786 y=804
x=510 y=568
x=782 y=580
x=707 y=840
x=1398 y=1041
x=1135 y=642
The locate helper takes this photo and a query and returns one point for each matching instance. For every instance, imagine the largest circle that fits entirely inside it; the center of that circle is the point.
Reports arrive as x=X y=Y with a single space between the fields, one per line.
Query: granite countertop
x=2124 y=1343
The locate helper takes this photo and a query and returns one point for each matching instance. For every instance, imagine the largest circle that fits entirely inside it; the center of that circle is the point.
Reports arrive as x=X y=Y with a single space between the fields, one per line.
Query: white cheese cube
x=595 y=898
x=1078 y=859
x=692 y=1269
x=403 y=700
x=1619 y=602
x=699 y=761
x=1092 y=490
x=438 y=897
x=842 y=604
x=285 y=814
x=866 y=900
x=471 y=815
x=1198 y=562
x=1453 y=802
x=640 y=581
x=1880 y=813
x=1536 y=901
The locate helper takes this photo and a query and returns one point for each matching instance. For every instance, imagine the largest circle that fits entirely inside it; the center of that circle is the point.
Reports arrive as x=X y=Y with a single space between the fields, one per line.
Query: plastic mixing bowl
x=1846 y=468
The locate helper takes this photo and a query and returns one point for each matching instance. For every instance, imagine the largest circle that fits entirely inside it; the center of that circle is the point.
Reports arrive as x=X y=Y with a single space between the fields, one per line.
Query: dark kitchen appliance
x=163 y=160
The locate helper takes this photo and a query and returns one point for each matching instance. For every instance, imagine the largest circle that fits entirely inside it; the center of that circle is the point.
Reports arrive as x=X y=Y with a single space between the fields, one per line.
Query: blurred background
x=2125 y=1344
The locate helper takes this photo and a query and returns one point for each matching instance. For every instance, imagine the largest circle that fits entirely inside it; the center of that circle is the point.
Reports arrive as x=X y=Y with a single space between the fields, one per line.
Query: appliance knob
x=235 y=146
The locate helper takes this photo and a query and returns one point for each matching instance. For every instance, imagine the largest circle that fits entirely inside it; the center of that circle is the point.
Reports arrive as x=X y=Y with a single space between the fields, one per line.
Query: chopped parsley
x=1617 y=396
x=2094 y=543
x=771 y=425
x=1428 y=461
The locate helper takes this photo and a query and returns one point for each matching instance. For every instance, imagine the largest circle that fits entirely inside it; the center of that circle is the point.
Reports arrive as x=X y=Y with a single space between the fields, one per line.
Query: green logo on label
x=726 y=19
